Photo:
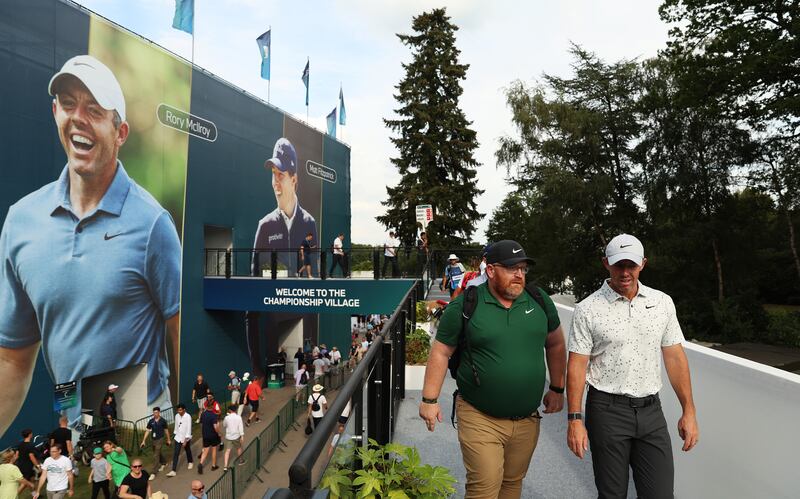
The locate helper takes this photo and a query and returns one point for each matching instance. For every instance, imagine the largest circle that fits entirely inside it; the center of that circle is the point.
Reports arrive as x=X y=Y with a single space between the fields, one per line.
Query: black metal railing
x=374 y=390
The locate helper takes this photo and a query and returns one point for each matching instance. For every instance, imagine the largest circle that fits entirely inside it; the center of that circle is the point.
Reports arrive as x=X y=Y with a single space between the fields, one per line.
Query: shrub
x=422 y=312
x=418 y=346
x=393 y=471
x=784 y=328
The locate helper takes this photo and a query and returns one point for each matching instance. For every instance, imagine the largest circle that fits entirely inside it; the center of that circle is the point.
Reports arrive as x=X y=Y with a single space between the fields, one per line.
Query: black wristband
x=556 y=389
x=574 y=415
x=430 y=401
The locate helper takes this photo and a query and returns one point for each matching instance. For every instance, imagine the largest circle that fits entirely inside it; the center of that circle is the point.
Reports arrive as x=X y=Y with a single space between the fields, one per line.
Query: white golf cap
x=112 y=387
x=232 y=373
x=100 y=81
x=452 y=257
x=625 y=247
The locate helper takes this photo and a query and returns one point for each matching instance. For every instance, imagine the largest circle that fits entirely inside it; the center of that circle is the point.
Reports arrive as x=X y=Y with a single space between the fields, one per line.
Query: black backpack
x=470 y=303
x=304 y=378
x=315 y=405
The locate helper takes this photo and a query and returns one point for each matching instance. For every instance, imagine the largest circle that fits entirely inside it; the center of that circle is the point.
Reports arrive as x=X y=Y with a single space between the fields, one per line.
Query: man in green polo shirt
x=509 y=333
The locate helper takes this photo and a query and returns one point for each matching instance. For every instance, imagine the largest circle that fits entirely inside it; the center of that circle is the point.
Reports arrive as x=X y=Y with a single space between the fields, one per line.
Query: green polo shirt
x=508 y=351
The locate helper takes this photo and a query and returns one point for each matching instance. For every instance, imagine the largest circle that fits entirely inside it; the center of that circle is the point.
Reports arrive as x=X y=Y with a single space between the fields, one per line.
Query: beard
x=512 y=291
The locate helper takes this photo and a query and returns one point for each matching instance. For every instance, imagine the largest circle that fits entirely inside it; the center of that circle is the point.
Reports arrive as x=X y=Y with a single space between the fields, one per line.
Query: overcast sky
x=353 y=42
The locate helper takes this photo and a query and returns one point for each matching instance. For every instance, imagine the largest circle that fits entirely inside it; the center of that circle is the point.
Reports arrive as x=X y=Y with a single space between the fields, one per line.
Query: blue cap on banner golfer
x=284 y=157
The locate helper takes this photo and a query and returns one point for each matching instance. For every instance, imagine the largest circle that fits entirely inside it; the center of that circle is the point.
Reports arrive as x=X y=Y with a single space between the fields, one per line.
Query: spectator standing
x=317 y=405
x=57 y=472
x=306 y=248
x=112 y=392
x=319 y=366
x=120 y=466
x=299 y=356
x=453 y=274
x=137 y=484
x=199 y=392
x=27 y=461
x=282 y=357
x=234 y=435
x=209 y=424
x=338 y=255
x=422 y=252
x=390 y=255
x=12 y=483
x=243 y=402
x=254 y=395
x=108 y=412
x=100 y=474
x=327 y=367
x=182 y=439
x=234 y=386
x=158 y=429
x=198 y=490
x=62 y=436
x=336 y=356
x=300 y=380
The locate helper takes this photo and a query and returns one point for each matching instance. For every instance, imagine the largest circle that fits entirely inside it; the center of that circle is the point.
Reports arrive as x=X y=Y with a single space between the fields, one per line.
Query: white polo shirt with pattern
x=623 y=339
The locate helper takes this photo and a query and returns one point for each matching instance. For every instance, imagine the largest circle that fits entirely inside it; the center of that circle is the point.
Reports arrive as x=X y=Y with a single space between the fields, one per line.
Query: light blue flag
x=332 y=123
x=264 y=48
x=305 y=79
x=184 y=16
x=342 y=112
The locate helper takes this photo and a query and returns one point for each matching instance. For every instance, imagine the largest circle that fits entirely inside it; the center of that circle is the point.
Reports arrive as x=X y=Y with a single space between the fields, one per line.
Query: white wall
x=131 y=396
x=290 y=337
x=748 y=419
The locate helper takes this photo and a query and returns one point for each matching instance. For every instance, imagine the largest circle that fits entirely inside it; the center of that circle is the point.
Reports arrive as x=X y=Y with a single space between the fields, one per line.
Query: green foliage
x=392 y=471
x=418 y=347
x=433 y=138
x=783 y=327
x=422 y=312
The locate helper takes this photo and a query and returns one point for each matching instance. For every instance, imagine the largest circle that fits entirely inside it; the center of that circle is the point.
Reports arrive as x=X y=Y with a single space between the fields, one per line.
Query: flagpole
x=269 y=82
x=341 y=127
x=194 y=11
x=308 y=85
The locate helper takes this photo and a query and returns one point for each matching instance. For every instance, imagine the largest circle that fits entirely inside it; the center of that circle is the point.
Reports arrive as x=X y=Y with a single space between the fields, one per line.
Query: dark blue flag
x=305 y=79
x=342 y=112
x=264 y=48
x=184 y=16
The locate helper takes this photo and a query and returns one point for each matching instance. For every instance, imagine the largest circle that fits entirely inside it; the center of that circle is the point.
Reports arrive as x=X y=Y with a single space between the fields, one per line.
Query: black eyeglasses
x=523 y=269
x=199 y=488
x=136 y=466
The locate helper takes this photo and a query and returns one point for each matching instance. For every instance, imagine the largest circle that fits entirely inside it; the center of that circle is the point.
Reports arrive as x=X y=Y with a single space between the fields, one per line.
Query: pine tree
x=434 y=139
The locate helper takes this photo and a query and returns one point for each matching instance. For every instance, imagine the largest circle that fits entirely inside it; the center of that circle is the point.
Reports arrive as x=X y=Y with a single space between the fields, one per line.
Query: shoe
x=197 y=421
x=161 y=468
x=191 y=465
x=171 y=473
x=224 y=470
x=247 y=423
x=152 y=477
x=241 y=461
x=258 y=420
x=214 y=467
x=200 y=469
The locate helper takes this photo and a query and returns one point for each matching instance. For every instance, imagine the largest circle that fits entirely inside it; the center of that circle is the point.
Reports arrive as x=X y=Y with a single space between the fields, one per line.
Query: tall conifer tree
x=433 y=138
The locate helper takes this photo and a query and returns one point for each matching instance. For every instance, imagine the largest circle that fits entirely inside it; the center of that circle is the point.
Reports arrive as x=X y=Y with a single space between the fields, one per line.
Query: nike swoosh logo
x=516 y=251
x=529 y=311
x=112 y=236
x=649 y=306
x=625 y=245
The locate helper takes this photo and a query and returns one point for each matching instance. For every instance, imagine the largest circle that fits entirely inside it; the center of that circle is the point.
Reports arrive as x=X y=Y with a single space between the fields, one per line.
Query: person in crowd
x=28 y=460
x=137 y=484
x=12 y=483
x=199 y=394
x=326 y=368
x=390 y=255
x=619 y=335
x=100 y=474
x=57 y=472
x=453 y=273
x=182 y=439
x=108 y=413
x=422 y=252
x=336 y=356
x=63 y=436
x=300 y=356
x=198 y=490
x=282 y=357
x=212 y=404
x=118 y=458
x=242 y=405
x=508 y=330
x=254 y=394
x=319 y=366
x=306 y=254
x=158 y=429
x=234 y=386
x=300 y=380
x=317 y=405
x=112 y=392
x=338 y=255
x=234 y=436
x=209 y=424
x=355 y=346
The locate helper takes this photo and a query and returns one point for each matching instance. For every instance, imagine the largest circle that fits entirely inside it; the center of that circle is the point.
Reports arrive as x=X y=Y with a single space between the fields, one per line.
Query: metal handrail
x=301 y=468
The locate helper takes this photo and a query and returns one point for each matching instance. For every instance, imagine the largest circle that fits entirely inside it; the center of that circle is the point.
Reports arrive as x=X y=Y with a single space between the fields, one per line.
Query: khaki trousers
x=496 y=452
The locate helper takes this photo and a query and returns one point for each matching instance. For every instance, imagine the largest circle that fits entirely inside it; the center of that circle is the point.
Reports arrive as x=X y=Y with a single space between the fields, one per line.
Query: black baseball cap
x=507 y=252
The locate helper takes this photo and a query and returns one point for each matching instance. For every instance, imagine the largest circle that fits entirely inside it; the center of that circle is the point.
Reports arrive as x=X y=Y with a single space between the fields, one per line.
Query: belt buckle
x=638 y=403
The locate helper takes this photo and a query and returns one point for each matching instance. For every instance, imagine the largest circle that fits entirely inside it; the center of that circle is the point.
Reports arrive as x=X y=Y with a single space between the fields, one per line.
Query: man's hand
x=70 y=492
x=430 y=413
x=553 y=402
x=577 y=438
x=687 y=429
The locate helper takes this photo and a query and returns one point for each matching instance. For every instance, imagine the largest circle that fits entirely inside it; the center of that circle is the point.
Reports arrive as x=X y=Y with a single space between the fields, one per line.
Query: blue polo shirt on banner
x=96 y=291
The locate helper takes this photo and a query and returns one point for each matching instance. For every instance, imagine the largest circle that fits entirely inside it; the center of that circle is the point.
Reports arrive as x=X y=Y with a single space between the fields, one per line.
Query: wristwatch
x=556 y=389
x=430 y=401
x=574 y=415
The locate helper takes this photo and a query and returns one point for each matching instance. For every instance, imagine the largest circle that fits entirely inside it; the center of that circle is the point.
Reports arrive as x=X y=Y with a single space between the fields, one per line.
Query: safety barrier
x=126 y=434
x=224 y=487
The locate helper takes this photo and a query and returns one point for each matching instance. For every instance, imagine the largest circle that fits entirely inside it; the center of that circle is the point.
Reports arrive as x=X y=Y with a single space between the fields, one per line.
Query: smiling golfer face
x=284 y=185
x=86 y=130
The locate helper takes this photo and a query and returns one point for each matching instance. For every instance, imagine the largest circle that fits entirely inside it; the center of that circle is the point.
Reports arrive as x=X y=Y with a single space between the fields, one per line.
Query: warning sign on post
x=424 y=214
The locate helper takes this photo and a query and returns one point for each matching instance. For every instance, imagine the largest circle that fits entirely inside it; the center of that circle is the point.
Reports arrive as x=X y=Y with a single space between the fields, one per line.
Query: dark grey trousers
x=622 y=435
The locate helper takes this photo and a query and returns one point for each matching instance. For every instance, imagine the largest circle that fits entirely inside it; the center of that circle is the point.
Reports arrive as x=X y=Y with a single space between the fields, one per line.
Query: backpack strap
x=533 y=290
x=470 y=304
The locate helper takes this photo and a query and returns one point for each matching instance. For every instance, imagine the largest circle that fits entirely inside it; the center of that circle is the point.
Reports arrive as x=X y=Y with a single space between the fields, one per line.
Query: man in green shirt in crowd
x=509 y=333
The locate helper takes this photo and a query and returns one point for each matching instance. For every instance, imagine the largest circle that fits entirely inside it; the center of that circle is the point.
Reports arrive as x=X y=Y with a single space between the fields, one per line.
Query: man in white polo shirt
x=619 y=334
